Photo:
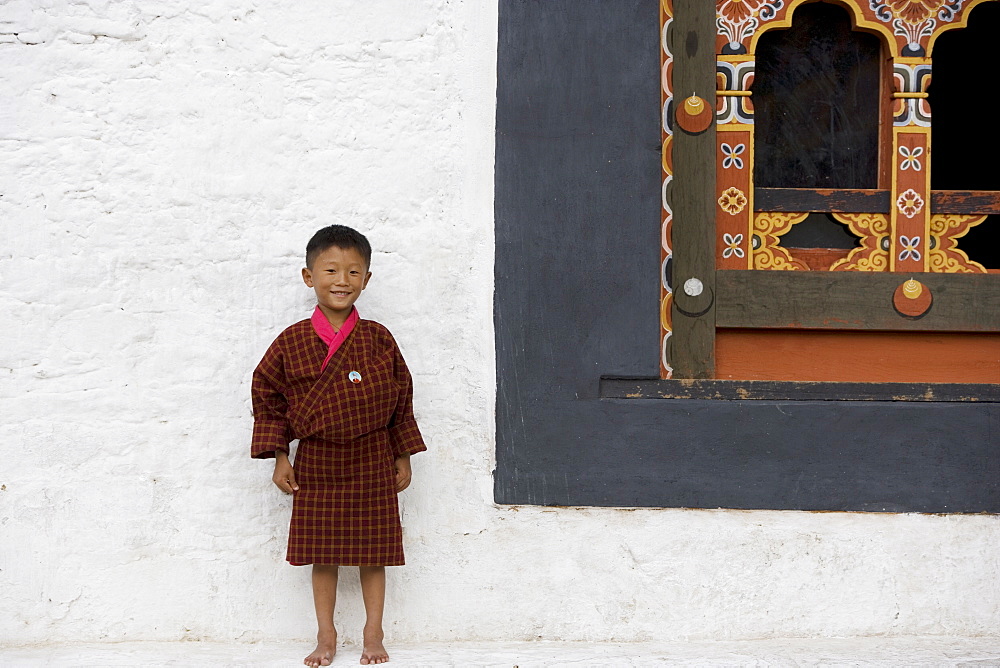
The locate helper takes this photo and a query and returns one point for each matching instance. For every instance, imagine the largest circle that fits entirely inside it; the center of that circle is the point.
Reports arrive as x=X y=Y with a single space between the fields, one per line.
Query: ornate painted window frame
x=721 y=263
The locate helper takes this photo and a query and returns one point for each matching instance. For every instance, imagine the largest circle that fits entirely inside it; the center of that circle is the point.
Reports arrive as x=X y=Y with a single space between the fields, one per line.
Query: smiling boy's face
x=338 y=275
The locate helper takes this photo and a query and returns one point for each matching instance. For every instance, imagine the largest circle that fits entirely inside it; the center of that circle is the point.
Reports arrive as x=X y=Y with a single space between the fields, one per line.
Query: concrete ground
x=894 y=652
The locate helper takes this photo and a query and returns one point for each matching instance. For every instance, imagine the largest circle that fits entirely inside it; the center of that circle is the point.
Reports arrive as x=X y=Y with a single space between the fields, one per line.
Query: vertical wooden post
x=692 y=193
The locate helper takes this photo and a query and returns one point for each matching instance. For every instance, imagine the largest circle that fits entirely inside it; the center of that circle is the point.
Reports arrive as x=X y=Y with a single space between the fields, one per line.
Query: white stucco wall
x=162 y=164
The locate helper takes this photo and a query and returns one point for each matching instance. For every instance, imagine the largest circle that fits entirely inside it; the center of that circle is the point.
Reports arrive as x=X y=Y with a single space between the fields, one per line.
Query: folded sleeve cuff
x=406 y=439
x=269 y=436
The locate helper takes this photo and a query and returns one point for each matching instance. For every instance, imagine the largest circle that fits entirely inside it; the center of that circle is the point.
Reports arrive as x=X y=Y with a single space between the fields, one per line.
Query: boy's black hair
x=340 y=236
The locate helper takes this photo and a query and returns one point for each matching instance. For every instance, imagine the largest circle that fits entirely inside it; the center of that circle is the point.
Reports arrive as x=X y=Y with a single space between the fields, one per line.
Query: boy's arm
x=404 y=435
x=271 y=433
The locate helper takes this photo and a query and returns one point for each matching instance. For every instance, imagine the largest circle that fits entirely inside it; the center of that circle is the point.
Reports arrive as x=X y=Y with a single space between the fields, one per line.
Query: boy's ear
x=307 y=276
x=367 y=278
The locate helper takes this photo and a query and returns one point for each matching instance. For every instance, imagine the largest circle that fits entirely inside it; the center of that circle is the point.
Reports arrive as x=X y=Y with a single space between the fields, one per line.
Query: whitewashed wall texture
x=162 y=164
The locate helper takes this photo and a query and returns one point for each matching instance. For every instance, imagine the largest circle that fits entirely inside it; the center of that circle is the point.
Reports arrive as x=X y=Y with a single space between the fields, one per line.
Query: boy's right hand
x=284 y=474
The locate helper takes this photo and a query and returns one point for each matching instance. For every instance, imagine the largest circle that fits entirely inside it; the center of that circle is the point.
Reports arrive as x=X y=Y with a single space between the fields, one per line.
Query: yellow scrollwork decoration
x=945 y=256
x=872 y=254
x=768 y=253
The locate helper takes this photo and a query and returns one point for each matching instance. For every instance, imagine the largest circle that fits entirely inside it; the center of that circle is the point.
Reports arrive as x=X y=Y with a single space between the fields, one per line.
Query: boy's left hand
x=403 y=473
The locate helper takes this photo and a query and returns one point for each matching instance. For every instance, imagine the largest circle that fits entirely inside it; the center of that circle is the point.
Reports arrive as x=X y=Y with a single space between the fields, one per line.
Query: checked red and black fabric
x=350 y=432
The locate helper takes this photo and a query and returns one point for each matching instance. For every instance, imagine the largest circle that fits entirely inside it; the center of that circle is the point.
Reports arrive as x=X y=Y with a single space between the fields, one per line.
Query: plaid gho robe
x=350 y=431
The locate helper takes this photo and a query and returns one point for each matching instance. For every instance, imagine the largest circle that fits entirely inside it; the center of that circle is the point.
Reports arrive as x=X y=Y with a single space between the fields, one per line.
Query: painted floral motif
x=732 y=158
x=910 y=203
x=910 y=158
x=733 y=201
x=732 y=245
x=738 y=19
x=736 y=11
x=915 y=19
x=915 y=11
x=909 y=245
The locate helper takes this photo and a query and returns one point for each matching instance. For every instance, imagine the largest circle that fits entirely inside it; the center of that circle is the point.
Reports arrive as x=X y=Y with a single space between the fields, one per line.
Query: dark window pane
x=982 y=243
x=815 y=95
x=819 y=230
x=959 y=95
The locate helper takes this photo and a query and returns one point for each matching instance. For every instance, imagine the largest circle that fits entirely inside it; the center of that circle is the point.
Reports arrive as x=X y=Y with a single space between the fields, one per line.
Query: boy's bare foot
x=374 y=651
x=326 y=647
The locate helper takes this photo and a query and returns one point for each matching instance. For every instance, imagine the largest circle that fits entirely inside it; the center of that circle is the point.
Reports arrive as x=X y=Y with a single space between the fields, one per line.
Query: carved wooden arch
x=765 y=249
x=909 y=27
x=859 y=22
x=743 y=240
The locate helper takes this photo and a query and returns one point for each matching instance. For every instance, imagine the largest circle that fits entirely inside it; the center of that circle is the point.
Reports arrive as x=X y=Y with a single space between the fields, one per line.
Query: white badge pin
x=354 y=376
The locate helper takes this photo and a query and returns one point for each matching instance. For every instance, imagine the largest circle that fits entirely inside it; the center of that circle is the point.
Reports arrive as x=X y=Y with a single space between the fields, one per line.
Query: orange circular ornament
x=912 y=299
x=694 y=115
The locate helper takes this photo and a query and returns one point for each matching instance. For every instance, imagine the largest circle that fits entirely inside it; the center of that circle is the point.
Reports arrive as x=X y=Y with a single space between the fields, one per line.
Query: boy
x=339 y=385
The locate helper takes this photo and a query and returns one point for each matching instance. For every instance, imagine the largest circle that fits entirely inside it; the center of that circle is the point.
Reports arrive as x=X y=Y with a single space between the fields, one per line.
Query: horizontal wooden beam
x=655 y=388
x=839 y=200
x=854 y=300
x=965 y=201
x=821 y=200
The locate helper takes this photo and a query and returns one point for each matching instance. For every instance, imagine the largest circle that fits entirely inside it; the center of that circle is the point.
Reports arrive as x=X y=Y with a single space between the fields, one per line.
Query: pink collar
x=333 y=339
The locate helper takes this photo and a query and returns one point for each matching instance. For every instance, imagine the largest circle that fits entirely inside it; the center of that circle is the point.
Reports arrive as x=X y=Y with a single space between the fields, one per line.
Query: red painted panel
x=903 y=357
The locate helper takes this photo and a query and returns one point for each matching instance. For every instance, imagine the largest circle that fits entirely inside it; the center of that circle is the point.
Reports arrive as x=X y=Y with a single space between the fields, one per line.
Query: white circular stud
x=693 y=287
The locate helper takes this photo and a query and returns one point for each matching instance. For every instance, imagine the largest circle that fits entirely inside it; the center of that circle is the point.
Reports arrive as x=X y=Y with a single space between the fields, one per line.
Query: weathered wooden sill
x=853 y=300
x=730 y=390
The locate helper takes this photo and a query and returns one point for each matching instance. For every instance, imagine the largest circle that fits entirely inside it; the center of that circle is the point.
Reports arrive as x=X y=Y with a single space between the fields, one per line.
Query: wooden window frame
x=697 y=297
